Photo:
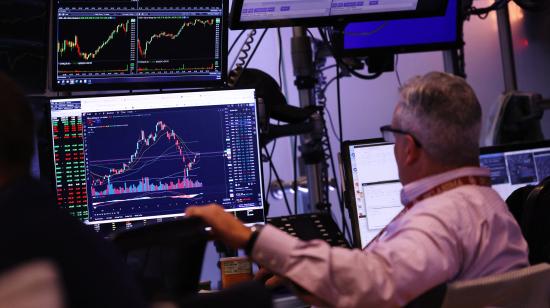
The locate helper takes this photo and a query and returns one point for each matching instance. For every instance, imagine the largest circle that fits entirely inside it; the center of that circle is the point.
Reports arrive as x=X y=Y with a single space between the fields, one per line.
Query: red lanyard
x=441 y=188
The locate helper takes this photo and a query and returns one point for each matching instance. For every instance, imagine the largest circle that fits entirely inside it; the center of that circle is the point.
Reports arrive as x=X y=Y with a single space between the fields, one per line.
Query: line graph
x=145 y=163
x=74 y=45
x=95 y=45
x=172 y=36
x=177 y=43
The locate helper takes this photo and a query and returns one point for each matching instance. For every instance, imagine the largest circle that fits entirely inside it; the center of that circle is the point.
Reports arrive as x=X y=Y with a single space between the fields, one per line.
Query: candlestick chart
x=95 y=45
x=152 y=163
x=177 y=44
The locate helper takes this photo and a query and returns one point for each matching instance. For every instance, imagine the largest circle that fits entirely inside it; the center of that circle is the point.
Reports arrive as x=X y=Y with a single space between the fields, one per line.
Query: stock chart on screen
x=149 y=43
x=120 y=162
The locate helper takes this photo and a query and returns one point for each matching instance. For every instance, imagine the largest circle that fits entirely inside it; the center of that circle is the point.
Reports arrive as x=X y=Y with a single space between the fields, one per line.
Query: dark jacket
x=32 y=227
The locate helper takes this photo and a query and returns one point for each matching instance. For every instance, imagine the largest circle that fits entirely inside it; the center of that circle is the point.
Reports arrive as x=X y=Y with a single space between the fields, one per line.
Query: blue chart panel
x=522 y=168
x=154 y=162
x=497 y=165
x=542 y=160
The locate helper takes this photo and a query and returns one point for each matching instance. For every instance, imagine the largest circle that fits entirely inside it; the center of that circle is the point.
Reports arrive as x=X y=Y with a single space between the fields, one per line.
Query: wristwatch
x=256 y=229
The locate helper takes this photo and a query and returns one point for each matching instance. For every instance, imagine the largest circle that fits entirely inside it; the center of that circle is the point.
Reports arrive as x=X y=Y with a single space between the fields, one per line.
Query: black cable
x=280 y=57
x=482 y=13
x=295 y=184
x=235 y=42
x=272 y=166
x=338 y=192
x=343 y=64
x=339 y=104
x=268 y=190
x=332 y=125
x=328 y=67
x=326 y=109
x=255 y=48
x=341 y=134
x=270 y=172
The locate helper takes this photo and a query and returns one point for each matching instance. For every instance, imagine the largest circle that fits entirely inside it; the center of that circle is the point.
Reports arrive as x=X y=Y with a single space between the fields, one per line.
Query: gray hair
x=443 y=113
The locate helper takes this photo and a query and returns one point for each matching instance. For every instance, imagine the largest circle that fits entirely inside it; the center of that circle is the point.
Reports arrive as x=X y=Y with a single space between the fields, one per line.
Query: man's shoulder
x=460 y=207
x=458 y=199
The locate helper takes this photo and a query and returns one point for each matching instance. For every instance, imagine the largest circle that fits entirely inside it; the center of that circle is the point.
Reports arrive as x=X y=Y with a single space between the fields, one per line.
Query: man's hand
x=225 y=227
x=270 y=280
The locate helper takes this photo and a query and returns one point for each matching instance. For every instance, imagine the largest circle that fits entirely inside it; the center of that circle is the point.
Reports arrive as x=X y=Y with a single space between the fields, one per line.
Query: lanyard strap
x=439 y=189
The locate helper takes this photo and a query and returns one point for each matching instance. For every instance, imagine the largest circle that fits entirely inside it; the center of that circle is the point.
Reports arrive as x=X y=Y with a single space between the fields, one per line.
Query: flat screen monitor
x=247 y=14
x=403 y=35
x=124 y=161
x=103 y=44
x=516 y=165
x=373 y=187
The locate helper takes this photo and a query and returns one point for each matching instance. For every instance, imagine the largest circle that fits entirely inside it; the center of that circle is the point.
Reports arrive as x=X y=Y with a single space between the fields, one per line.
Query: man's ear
x=412 y=150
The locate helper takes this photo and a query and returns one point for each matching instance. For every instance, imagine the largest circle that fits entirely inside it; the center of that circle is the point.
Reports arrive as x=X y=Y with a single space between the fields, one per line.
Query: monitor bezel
x=349 y=190
x=46 y=150
x=362 y=52
x=512 y=147
x=424 y=8
x=182 y=85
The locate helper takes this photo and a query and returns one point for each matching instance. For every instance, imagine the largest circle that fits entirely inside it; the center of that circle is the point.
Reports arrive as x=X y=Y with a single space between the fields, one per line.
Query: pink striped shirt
x=463 y=233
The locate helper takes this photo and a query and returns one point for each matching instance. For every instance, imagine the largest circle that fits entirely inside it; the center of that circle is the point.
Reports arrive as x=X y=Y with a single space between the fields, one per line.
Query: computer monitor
x=246 y=14
x=103 y=44
x=124 y=161
x=403 y=35
x=516 y=165
x=373 y=188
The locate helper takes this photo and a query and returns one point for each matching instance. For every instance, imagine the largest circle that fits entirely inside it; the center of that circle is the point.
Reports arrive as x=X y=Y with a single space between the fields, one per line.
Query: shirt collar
x=413 y=190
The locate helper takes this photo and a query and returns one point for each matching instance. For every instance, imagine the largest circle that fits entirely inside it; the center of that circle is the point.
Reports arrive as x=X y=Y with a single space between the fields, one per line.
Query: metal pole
x=449 y=64
x=506 y=50
x=304 y=71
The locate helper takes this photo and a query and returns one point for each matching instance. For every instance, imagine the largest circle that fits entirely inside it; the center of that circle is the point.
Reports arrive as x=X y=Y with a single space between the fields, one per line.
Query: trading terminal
x=145 y=109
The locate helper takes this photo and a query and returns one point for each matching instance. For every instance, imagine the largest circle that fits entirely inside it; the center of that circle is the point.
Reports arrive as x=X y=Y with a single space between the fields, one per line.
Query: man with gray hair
x=454 y=226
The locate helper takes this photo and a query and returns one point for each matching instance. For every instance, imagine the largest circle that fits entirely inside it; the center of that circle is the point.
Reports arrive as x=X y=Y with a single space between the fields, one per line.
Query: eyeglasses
x=388 y=134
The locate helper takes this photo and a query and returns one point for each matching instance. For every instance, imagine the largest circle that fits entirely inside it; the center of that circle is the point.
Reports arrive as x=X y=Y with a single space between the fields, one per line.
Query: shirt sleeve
x=396 y=270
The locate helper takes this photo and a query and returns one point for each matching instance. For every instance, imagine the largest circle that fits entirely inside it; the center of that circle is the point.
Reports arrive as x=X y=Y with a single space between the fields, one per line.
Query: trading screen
x=119 y=162
x=138 y=41
x=254 y=10
x=513 y=169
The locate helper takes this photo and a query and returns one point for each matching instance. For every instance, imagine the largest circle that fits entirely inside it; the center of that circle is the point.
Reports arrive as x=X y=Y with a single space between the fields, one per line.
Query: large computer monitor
x=286 y=13
x=373 y=187
x=403 y=35
x=516 y=165
x=103 y=44
x=122 y=161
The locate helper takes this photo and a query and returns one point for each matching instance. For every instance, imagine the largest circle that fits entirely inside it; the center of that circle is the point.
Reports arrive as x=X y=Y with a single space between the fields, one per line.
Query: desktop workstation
x=143 y=117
